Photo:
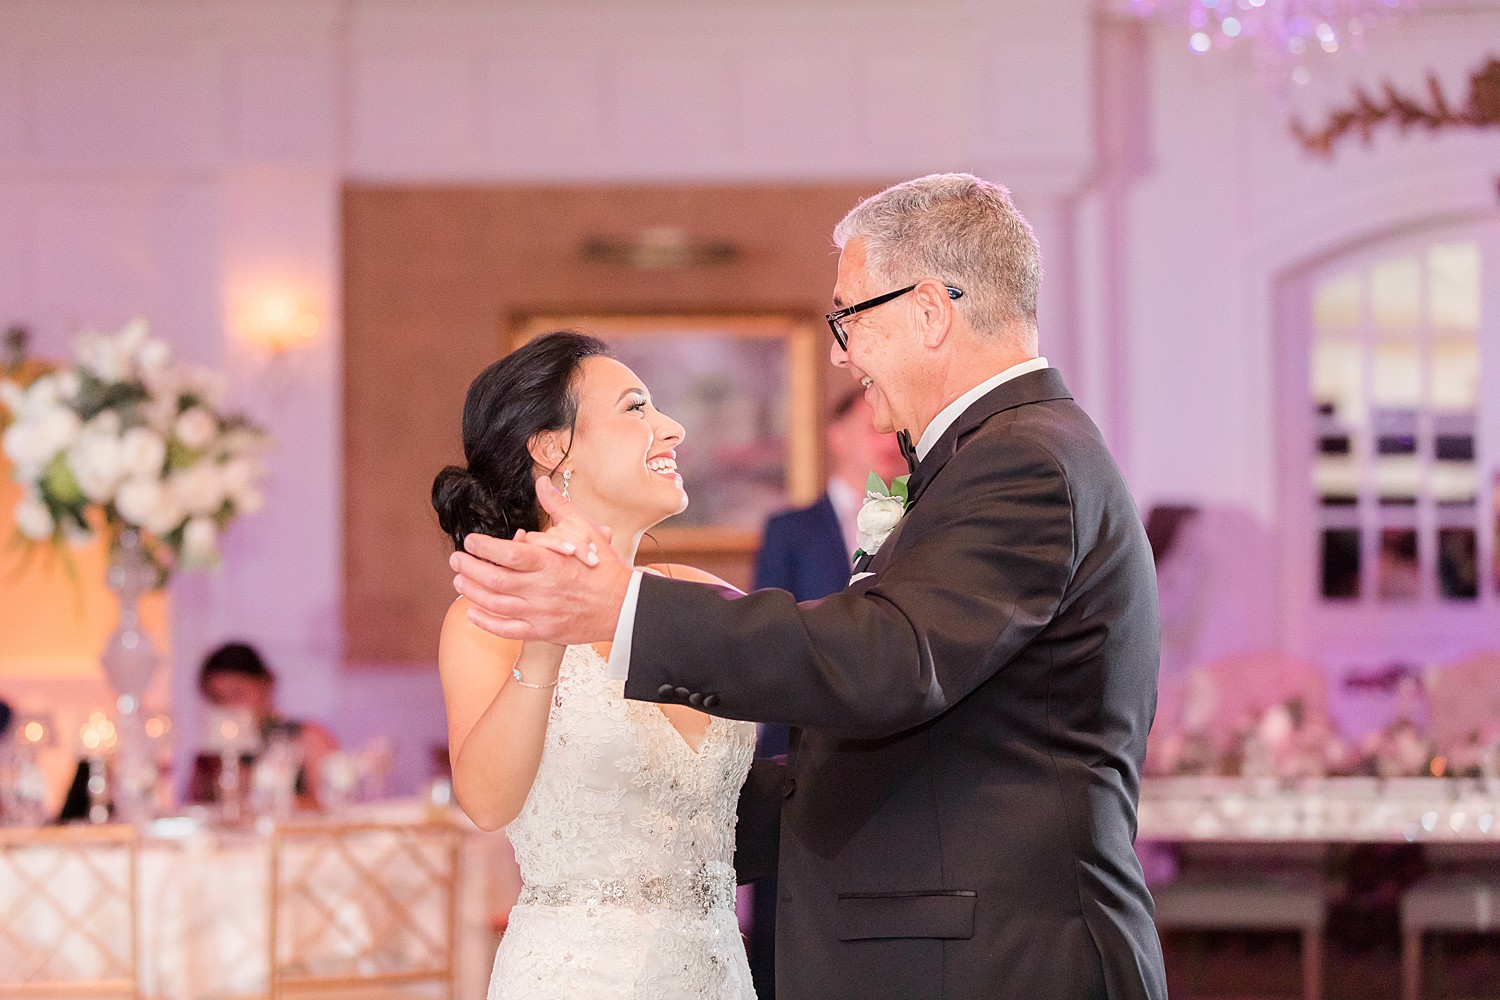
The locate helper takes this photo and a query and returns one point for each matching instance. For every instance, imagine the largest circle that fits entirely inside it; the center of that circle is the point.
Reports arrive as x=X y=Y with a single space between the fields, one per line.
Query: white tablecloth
x=1350 y=810
x=204 y=907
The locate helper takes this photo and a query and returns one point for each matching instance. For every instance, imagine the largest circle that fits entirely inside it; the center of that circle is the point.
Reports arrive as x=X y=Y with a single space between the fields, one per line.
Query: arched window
x=1393 y=511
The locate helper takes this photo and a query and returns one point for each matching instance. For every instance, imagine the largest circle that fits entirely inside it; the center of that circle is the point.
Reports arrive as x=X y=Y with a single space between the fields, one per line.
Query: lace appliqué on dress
x=626 y=846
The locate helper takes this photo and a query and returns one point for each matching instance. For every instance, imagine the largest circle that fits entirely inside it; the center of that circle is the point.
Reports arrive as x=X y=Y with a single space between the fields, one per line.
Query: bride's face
x=623 y=454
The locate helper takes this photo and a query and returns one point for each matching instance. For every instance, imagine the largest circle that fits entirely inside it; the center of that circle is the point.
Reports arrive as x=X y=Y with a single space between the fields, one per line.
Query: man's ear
x=545 y=449
x=934 y=312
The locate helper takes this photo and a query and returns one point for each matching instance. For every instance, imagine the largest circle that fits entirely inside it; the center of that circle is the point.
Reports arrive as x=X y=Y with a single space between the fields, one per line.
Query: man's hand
x=524 y=590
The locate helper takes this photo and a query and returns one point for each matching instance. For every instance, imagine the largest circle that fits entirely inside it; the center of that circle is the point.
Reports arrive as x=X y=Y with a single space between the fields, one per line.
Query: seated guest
x=235 y=676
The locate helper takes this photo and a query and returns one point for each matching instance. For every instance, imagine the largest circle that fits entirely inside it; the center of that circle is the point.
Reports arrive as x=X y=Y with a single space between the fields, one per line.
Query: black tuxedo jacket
x=960 y=809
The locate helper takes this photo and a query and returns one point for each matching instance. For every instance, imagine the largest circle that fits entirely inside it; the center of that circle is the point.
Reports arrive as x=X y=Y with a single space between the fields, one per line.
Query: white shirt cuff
x=618 y=667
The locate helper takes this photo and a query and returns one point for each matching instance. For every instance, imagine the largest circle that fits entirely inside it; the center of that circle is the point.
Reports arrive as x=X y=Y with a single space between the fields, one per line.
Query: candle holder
x=231 y=734
x=97 y=737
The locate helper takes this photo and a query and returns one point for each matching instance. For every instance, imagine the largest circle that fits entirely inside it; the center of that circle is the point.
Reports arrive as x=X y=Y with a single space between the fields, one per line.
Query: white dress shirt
x=846 y=502
x=619 y=654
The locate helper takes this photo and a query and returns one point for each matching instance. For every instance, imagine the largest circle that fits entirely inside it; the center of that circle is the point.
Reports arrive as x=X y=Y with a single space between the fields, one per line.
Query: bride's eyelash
x=639 y=404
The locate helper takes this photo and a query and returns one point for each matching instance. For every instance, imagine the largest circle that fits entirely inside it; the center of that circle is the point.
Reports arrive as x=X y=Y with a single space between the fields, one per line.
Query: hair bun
x=465 y=505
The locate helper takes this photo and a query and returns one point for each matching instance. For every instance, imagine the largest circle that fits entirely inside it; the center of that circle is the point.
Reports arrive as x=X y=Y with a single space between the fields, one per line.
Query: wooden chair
x=68 y=912
x=363 y=905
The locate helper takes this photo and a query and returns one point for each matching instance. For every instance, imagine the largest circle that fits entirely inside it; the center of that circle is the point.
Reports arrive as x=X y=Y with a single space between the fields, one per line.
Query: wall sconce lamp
x=279 y=324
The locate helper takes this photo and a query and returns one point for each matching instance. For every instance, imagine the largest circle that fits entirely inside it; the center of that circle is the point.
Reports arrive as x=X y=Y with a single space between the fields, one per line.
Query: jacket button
x=696 y=698
x=788 y=788
x=681 y=693
x=666 y=691
x=710 y=700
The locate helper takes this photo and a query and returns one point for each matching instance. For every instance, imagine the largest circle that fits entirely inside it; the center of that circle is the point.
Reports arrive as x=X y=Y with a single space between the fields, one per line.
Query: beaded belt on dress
x=702 y=890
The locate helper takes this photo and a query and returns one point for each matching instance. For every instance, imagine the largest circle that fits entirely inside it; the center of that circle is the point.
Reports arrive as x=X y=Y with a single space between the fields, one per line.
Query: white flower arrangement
x=881 y=512
x=128 y=439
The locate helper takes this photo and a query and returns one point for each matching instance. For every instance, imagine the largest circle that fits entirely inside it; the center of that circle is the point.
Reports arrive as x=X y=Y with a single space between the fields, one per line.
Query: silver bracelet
x=516 y=673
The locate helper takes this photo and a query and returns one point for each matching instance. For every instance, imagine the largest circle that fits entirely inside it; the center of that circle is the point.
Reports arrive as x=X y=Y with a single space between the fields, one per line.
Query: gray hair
x=960 y=230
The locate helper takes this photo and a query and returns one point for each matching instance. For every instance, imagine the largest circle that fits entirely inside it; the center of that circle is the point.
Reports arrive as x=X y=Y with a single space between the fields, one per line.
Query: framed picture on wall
x=744 y=387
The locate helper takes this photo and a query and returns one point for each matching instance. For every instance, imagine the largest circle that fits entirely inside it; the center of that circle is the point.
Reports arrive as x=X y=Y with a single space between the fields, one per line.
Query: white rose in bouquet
x=196 y=427
x=42 y=396
x=200 y=543
x=37 y=436
x=12 y=396
x=143 y=452
x=103 y=358
x=155 y=359
x=96 y=458
x=33 y=519
x=149 y=504
x=199 y=489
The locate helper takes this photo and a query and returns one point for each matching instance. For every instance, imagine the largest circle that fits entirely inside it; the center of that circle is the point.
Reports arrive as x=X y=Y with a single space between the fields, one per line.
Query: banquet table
x=203 y=897
x=1463 y=811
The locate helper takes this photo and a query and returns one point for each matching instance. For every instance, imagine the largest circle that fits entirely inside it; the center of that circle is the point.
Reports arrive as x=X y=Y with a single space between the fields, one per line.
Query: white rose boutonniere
x=882 y=511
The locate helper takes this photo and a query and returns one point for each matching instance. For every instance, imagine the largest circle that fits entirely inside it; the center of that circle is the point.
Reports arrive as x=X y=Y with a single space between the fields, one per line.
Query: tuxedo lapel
x=1033 y=387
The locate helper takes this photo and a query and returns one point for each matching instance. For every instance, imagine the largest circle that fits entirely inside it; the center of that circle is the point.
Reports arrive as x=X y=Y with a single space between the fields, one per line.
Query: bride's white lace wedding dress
x=625 y=846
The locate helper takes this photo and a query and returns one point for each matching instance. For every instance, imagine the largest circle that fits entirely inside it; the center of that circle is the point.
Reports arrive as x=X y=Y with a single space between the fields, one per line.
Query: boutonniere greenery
x=880 y=513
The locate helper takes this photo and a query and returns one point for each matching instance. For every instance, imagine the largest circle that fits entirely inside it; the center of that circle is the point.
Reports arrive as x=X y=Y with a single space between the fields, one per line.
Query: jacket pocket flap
x=942 y=914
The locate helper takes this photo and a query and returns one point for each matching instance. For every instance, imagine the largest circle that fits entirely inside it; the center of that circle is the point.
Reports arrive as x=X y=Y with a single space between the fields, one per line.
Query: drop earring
x=567 y=475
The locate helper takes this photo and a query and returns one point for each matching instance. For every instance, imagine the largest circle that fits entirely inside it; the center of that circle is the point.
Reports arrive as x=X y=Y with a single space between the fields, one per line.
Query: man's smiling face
x=880 y=353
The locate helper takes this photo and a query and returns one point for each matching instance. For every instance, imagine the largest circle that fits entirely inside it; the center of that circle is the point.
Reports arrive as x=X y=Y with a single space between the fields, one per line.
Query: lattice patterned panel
x=67 y=911
x=363 y=904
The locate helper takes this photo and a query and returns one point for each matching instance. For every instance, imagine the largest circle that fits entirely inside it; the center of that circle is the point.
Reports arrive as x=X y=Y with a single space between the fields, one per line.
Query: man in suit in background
x=973 y=709
x=807 y=551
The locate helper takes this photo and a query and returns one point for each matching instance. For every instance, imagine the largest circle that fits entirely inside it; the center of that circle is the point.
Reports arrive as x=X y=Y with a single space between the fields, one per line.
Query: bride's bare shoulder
x=462 y=638
x=681 y=571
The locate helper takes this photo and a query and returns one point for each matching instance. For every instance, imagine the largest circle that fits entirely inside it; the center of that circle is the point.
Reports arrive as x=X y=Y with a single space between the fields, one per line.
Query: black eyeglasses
x=836 y=319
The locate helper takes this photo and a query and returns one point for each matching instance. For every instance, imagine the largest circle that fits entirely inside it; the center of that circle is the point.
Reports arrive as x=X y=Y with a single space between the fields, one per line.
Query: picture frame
x=744 y=386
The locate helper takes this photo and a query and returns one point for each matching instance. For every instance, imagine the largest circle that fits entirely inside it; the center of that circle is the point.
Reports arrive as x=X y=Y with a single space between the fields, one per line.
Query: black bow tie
x=908 y=451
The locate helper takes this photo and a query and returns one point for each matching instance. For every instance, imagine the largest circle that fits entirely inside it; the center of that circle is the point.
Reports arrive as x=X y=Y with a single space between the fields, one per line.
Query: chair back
x=363 y=904
x=68 y=912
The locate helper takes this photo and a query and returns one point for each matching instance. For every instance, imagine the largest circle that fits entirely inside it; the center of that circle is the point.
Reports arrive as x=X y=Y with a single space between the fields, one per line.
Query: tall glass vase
x=130 y=661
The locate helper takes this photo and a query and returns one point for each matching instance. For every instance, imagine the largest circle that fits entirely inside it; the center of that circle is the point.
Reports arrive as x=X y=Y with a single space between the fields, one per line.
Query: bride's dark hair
x=528 y=391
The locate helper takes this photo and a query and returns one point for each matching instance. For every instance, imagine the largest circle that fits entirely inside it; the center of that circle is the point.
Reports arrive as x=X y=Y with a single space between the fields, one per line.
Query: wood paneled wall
x=432 y=276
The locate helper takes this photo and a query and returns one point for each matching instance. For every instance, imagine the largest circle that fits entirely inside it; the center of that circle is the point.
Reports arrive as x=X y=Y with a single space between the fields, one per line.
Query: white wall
x=180 y=157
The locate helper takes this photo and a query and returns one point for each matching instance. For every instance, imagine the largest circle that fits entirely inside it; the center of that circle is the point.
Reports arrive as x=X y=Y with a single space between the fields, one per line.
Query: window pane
x=1341 y=562
x=1337 y=383
x=1398 y=469
x=1398 y=376
x=1395 y=298
x=1336 y=478
x=1455 y=477
x=1400 y=578
x=1458 y=563
x=1453 y=290
x=1336 y=306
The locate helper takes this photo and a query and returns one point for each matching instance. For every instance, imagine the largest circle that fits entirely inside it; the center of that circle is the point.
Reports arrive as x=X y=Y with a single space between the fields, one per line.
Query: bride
x=621 y=813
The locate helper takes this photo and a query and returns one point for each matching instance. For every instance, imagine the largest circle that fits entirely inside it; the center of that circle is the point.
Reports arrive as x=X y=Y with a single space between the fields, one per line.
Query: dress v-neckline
x=681 y=738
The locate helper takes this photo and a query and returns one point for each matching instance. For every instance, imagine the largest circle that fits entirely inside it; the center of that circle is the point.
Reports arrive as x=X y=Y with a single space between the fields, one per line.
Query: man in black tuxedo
x=960 y=807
